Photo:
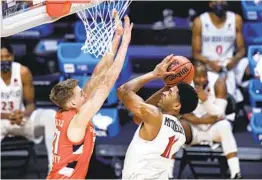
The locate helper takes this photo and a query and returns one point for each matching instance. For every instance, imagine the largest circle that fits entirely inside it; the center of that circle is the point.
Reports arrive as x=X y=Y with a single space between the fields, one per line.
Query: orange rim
x=60 y=8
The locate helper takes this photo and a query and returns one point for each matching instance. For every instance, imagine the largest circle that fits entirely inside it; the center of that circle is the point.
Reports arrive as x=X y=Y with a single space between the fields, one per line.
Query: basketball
x=183 y=71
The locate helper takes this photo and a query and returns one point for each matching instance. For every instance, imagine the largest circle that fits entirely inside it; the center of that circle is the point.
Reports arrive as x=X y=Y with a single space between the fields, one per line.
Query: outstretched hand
x=119 y=28
x=127 y=31
x=161 y=69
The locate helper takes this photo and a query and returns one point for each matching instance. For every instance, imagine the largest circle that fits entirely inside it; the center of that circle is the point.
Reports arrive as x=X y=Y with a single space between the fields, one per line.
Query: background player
x=218 y=42
x=17 y=118
x=74 y=140
x=208 y=122
x=160 y=134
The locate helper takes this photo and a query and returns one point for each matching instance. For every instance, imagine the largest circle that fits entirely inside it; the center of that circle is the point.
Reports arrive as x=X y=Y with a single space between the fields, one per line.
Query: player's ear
x=72 y=104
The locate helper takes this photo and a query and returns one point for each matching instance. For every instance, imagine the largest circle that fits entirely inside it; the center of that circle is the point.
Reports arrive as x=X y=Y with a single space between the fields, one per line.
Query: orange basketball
x=183 y=71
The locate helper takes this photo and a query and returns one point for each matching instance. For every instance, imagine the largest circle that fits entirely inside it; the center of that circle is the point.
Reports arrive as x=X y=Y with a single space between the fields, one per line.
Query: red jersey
x=70 y=160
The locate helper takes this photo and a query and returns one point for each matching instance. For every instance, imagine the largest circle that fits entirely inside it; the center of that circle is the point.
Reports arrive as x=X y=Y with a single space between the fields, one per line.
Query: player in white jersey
x=217 y=41
x=160 y=134
x=208 y=122
x=16 y=118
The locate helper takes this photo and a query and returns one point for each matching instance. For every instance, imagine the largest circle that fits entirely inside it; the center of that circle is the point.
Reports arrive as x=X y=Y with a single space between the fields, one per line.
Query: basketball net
x=100 y=24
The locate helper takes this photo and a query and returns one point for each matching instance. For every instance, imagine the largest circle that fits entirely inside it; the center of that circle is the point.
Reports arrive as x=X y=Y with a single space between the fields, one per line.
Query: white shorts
x=218 y=132
x=210 y=133
x=27 y=130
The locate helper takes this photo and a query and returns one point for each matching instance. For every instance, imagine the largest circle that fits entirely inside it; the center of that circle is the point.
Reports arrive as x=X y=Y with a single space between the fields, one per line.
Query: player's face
x=79 y=97
x=218 y=2
x=200 y=79
x=219 y=8
x=6 y=60
x=169 y=99
x=6 y=55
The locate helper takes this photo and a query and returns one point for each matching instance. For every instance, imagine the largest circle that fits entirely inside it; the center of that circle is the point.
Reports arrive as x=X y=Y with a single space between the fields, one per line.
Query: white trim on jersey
x=66 y=171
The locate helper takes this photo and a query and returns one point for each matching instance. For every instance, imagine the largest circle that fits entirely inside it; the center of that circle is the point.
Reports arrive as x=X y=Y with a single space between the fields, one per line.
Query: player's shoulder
x=25 y=70
x=66 y=114
x=197 y=21
x=238 y=18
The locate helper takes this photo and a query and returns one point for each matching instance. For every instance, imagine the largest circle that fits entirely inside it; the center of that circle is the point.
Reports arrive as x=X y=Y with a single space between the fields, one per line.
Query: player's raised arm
x=78 y=125
x=105 y=63
x=127 y=94
x=153 y=100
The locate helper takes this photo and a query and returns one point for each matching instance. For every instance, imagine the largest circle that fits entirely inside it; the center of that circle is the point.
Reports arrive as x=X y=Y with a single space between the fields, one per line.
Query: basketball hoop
x=97 y=17
x=100 y=24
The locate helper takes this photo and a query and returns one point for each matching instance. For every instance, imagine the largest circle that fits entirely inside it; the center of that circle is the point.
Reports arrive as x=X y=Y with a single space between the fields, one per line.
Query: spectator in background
x=208 y=122
x=17 y=118
x=218 y=42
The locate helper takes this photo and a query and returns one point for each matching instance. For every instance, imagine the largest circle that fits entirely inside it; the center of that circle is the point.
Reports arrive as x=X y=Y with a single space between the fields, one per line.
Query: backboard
x=17 y=15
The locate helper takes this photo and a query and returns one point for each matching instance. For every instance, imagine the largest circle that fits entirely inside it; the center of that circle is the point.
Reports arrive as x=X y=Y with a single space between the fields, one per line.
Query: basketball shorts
x=27 y=130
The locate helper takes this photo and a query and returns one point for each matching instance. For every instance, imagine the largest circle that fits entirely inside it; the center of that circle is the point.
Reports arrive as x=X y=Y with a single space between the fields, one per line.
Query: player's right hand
x=17 y=117
x=161 y=69
x=127 y=31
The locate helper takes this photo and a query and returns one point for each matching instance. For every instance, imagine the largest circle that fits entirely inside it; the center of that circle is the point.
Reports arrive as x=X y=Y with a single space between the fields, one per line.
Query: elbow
x=121 y=91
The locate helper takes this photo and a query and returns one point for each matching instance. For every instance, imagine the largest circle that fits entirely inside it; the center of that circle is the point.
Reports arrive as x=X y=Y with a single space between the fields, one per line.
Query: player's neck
x=216 y=20
x=6 y=76
x=172 y=114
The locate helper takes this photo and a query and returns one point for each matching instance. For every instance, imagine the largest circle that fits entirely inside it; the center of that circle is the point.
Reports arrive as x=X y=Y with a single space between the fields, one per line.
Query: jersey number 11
x=171 y=142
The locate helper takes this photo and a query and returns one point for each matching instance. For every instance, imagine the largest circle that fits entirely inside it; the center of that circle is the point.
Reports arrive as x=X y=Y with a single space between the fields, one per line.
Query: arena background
x=37 y=49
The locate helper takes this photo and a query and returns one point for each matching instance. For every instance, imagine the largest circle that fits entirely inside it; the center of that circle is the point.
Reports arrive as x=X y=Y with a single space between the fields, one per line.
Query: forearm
x=113 y=72
x=154 y=98
x=105 y=63
x=206 y=119
x=29 y=108
x=239 y=55
x=135 y=84
x=97 y=99
x=101 y=69
x=5 y=116
x=216 y=108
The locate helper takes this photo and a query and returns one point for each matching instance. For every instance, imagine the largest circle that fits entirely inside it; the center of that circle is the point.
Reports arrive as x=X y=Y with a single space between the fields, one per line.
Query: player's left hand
x=202 y=95
x=119 y=29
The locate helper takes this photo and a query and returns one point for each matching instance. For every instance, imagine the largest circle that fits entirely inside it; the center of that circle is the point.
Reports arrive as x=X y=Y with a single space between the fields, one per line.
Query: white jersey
x=218 y=44
x=12 y=94
x=152 y=159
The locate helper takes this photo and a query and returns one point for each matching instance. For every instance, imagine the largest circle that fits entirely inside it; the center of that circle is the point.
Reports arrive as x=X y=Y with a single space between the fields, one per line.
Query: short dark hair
x=62 y=92
x=5 y=44
x=188 y=98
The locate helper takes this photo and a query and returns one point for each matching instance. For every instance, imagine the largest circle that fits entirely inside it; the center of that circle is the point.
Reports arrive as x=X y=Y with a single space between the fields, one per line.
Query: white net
x=100 y=25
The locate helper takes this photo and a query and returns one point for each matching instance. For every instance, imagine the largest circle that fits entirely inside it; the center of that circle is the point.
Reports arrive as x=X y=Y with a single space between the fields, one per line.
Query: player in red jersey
x=74 y=138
